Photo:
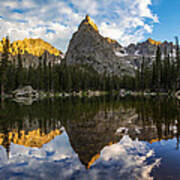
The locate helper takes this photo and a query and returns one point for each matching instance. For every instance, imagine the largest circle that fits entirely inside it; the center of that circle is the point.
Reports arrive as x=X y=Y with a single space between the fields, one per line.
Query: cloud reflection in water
x=127 y=159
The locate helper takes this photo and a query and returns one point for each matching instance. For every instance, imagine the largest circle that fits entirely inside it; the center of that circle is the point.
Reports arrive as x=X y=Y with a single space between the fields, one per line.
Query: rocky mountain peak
x=87 y=46
x=88 y=23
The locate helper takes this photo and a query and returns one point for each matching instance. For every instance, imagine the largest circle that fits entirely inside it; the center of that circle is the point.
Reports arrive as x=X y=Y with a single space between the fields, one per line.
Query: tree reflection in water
x=107 y=134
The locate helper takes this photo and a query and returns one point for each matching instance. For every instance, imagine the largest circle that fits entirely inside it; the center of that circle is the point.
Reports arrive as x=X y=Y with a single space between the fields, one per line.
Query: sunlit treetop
x=153 y=42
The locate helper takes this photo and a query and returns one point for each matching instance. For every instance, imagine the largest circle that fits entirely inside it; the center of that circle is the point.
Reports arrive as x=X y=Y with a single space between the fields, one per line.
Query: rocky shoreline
x=27 y=95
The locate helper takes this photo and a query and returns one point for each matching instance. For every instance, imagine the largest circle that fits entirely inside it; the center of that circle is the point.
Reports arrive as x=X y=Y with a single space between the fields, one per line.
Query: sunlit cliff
x=36 y=47
x=90 y=22
x=110 y=41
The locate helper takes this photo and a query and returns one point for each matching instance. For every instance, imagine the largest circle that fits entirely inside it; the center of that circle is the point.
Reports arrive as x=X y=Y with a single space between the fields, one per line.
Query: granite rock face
x=31 y=51
x=149 y=47
x=33 y=61
x=134 y=53
x=87 y=46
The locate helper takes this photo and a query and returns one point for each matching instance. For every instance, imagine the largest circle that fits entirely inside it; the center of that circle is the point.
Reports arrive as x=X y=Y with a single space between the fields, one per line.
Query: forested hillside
x=162 y=75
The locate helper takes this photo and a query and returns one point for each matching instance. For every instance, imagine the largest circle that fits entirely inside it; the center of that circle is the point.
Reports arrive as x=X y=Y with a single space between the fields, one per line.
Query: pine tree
x=168 y=82
x=142 y=84
x=158 y=69
x=4 y=65
x=40 y=74
x=45 y=73
x=56 y=85
x=19 y=72
x=50 y=77
x=166 y=70
x=173 y=75
x=178 y=63
x=29 y=76
x=11 y=77
x=137 y=78
x=154 y=76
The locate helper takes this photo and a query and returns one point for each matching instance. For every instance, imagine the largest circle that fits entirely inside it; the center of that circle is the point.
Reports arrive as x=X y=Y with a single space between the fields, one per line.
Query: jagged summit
x=87 y=46
x=148 y=48
x=35 y=47
x=88 y=22
x=105 y=55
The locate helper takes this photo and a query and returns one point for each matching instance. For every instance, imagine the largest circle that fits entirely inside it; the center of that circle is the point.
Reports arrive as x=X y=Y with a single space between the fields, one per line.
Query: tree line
x=51 y=77
x=162 y=74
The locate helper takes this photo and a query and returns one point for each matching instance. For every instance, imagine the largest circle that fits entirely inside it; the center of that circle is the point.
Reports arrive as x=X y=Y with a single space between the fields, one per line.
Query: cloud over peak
x=55 y=20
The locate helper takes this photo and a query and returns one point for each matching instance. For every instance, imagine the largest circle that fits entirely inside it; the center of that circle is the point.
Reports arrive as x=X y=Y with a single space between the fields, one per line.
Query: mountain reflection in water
x=95 y=138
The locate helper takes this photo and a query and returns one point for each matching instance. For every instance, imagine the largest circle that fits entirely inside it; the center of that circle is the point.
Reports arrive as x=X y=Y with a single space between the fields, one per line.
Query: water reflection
x=95 y=138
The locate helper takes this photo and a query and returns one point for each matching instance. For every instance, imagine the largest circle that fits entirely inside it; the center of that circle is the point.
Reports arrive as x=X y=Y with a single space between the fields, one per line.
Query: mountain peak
x=35 y=47
x=153 y=42
x=88 y=47
x=88 y=17
x=88 y=21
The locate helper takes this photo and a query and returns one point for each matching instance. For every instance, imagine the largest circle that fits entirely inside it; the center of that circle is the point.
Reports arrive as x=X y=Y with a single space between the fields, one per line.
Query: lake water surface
x=90 y=138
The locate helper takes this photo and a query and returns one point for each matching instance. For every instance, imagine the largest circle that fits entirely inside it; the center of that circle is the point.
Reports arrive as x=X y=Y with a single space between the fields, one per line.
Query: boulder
x=26 y=91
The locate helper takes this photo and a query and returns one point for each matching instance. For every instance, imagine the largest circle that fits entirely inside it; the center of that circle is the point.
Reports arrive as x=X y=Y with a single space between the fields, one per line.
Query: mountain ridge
x=108 y=56
x=89 y=46
x=31 y=51
x=32 y=46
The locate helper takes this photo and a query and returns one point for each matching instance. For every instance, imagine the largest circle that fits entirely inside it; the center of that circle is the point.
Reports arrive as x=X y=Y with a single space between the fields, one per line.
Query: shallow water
x=90 y=138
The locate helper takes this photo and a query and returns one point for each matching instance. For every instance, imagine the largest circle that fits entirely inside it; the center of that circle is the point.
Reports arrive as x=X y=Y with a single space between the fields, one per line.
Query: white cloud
x=133 y=20
x=88 y=6
x=55 y=20
x=127 y=159
x=132 y=157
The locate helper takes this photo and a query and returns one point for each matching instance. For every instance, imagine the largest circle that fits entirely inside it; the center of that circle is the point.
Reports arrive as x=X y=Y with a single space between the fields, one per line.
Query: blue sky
x=127 y=21
x=169 y=20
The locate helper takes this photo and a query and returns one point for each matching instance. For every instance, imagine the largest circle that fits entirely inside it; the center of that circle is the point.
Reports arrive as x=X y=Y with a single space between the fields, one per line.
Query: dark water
x=97 y=138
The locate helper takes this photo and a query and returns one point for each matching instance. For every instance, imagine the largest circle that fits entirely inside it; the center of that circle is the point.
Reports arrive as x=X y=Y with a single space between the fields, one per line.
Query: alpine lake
x=101 y=138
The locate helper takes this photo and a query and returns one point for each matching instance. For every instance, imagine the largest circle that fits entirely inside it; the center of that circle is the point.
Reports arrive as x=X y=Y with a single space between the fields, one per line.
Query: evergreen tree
x=142 y=84
x=158 y=69
x=173 y=75
x=178 y=63
x=137 y=78
x=45 y=72
x=166 y=70
x=30 y=74
x=19 y=72
x=50 y=77
x=4 y=65
x=154 y=76
x=40 y=74
x=56 y=85
x=11 y=77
